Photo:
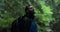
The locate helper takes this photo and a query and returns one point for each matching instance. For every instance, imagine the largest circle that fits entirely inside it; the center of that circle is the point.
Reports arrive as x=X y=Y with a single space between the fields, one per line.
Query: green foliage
x=44 y=11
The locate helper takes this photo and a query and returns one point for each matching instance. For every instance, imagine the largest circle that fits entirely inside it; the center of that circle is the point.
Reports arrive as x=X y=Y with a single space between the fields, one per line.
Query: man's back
x=24 y=25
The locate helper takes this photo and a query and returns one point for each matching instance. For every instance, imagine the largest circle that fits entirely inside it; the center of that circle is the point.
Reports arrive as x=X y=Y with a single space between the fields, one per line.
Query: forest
x=47 y=14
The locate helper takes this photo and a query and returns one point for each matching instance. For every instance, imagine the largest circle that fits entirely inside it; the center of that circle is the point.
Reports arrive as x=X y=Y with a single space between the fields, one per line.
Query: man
x=26 y=23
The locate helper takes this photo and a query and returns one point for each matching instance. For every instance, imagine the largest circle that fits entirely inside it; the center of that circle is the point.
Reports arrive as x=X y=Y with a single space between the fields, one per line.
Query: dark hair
x=26 y=8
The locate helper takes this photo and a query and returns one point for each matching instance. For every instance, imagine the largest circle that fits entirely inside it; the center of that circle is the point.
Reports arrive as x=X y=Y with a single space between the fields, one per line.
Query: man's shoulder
x=21 y=17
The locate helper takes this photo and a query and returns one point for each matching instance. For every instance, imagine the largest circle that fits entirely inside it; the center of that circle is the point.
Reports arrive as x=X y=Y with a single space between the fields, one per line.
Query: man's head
x=29 y=9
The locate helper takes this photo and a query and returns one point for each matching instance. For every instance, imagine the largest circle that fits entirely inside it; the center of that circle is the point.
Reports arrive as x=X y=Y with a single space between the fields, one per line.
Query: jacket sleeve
x=33 y=27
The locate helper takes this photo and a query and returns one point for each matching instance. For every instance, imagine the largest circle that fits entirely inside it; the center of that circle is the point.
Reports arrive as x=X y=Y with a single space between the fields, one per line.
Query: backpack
x=21 y=24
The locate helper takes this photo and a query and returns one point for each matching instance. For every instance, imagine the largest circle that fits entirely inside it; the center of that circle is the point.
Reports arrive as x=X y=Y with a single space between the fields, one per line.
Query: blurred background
x=47 y=13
